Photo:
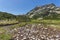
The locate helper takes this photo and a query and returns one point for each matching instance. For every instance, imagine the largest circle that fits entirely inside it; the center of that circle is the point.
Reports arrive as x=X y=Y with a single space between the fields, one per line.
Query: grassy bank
x=4 y=22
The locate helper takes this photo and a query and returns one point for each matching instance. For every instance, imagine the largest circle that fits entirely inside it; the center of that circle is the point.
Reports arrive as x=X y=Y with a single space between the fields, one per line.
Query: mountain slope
x=5 y=15
x=49 y=10
x=20 y=18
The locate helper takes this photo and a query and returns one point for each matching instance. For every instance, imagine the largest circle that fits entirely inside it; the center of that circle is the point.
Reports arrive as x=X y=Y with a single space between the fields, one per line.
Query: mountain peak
x=52 y=4
x=47 y=5
x=45 y=10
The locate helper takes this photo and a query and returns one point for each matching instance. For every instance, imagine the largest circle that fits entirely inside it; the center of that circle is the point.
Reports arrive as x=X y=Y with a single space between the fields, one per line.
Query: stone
x=37 y=32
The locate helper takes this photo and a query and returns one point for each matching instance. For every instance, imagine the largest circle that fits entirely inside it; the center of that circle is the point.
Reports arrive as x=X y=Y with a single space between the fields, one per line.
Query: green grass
x=46 y=21
x=17 y=25
x=4 y=22
x=52 y=23
x=4 y=35
x=2 y=30
x=7 y=36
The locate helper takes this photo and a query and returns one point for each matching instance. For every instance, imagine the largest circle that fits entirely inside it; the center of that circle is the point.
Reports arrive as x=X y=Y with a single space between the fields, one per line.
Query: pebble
x=31 y=32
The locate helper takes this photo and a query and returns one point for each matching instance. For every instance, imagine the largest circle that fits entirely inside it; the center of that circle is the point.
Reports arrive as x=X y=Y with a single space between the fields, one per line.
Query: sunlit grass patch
x=5 y=36
x=2 y=30
x=18 y=25
x=51 y=21
x=46 y=21
x=3 y=22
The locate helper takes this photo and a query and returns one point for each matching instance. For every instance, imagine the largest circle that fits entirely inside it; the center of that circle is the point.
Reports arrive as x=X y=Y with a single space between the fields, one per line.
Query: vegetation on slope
x=5 y=15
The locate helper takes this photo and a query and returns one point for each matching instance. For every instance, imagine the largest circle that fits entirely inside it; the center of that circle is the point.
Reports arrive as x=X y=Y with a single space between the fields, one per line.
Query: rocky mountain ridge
x=44 y=10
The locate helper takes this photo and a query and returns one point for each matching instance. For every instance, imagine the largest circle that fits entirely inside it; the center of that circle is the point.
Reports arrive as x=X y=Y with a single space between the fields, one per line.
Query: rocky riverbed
x=36 y=32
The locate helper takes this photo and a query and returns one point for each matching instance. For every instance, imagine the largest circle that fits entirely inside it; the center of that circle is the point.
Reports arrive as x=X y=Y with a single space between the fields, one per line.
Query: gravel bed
x=36 y=32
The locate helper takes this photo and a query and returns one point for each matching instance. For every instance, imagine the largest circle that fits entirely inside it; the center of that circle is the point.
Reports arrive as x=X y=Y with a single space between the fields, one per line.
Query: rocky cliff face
x=44 y=10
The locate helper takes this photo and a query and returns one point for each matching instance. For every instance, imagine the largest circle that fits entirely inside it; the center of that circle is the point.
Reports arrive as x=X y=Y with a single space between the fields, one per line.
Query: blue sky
x=23 y=6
